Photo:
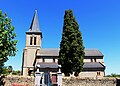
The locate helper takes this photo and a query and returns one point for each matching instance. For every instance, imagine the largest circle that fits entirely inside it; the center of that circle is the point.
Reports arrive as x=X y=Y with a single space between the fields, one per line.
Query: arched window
x=98 y=73
x=31 y=38
x=53 y=59
x=35 y=40
x=43 y=60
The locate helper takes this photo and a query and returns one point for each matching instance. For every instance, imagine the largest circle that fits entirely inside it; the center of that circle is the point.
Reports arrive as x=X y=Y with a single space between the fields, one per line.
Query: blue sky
x=99 y=22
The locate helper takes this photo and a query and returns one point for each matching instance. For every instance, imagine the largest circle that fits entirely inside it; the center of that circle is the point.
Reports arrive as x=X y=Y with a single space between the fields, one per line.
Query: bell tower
x=34 y=35
x=33 y=43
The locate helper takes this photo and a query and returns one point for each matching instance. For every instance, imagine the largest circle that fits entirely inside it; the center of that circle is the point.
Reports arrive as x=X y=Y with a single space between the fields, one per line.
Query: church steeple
x=34 y=27
x=33 y=45
x=34 y=35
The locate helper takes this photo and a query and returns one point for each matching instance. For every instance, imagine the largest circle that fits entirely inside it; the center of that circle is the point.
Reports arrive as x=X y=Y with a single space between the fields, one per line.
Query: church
x=47 y=58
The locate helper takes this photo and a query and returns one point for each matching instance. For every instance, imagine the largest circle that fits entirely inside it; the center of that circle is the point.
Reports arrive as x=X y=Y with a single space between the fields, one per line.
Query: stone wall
x=67 y=81
x=90 y=82
x=17 y=81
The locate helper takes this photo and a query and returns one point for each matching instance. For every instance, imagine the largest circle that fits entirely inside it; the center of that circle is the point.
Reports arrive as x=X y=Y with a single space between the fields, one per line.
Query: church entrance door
x=47 y=79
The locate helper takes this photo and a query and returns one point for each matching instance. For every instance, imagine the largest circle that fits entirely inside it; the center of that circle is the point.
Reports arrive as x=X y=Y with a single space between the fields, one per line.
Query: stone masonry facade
x=67 y=81
x=89 y=82
x=17 y=81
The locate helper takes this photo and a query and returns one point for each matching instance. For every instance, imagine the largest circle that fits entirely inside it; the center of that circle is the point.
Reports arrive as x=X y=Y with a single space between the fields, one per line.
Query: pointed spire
x=35 y=24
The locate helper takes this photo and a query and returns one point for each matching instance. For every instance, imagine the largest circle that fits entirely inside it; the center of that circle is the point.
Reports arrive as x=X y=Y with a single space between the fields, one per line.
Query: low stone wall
x=90 y=82
x=67 y=81
x=17 y=81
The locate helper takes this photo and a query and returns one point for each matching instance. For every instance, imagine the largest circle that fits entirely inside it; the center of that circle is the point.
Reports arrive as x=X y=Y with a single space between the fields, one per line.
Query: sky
x=99 y=22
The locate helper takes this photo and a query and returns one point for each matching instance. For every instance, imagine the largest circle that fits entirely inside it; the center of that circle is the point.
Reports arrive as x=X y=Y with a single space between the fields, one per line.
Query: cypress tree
x=71 y=52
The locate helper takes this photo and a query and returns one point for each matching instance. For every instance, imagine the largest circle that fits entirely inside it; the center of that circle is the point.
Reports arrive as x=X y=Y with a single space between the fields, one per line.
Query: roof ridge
x=50 y=48
x=91 y=49
x=84 y=49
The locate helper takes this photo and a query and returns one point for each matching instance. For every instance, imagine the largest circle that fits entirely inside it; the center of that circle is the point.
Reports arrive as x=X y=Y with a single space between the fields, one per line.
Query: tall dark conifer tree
x=71 y=47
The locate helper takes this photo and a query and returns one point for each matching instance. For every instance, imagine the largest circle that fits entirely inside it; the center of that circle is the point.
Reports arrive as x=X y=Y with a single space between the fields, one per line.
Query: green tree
x=10 y=69
x=113 y=75
x=71 y=47
x=7 y=41
x=5 y=70
x=16 y=72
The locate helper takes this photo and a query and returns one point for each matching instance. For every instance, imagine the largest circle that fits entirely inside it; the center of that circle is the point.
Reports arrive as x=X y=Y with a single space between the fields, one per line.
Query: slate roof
x=49 y=52
x=55 y=52
x=48 y=65
x=92 y=52
x=34 y=28
x=88 y=65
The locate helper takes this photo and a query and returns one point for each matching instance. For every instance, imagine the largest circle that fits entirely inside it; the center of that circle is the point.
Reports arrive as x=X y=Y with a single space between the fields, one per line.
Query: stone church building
x=34 y=54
